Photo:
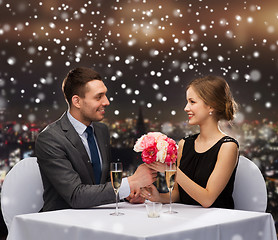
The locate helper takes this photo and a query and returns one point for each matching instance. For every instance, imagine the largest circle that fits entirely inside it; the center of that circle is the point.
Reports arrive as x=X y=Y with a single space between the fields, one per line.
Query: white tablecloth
x=190 y=223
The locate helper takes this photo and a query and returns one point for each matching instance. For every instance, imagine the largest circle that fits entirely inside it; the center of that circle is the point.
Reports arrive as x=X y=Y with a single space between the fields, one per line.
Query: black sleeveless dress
x=199 y=166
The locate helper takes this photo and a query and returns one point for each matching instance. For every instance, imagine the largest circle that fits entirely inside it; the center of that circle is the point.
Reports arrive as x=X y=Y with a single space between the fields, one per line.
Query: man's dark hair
x=75 y=81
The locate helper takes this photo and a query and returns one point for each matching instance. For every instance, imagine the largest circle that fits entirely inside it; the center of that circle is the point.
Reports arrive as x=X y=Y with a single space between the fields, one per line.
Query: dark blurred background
x=147 y=52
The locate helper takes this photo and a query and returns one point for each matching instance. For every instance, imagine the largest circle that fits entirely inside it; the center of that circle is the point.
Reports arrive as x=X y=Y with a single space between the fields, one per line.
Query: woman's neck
x=210 y=131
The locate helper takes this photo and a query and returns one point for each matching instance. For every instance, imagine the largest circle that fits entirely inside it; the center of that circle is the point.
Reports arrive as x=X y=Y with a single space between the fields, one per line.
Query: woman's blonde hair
x=215 y=92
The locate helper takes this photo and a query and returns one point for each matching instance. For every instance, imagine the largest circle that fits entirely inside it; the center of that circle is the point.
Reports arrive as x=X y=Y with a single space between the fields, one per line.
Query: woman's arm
x=225 y=165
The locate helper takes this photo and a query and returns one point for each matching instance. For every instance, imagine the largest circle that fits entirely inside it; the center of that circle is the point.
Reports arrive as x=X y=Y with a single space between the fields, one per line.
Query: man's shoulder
x=52 y=128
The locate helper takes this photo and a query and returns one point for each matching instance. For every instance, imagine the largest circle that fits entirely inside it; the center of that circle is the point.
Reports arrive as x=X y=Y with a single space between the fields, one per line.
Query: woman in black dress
x=206 y=161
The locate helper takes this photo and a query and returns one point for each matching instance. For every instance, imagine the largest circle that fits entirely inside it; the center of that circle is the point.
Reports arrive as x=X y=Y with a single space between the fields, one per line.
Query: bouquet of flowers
x=156 y=146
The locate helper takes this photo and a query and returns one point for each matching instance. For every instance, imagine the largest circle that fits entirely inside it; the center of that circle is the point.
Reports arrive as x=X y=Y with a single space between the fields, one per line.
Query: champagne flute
x=116 y=173
x=170 y=175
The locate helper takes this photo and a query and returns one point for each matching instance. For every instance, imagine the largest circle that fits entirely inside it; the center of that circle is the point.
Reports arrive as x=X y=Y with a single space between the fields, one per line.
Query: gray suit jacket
x=66 y=170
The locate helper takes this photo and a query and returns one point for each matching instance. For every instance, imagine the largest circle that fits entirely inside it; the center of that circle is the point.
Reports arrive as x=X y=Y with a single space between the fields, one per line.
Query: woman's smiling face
x=196 y=108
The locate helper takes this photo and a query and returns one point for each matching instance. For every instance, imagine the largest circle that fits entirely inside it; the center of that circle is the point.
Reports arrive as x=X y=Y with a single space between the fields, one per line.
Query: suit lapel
x=102 y=145
x=74 y=138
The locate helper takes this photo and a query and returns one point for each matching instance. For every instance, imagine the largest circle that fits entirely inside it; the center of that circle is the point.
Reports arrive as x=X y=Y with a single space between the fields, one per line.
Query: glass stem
x=170 y=190
x=117 y=204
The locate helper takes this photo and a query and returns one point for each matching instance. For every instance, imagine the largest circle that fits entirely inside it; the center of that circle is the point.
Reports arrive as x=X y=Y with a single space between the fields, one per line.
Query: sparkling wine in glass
x=170 y=175
x=116 y=173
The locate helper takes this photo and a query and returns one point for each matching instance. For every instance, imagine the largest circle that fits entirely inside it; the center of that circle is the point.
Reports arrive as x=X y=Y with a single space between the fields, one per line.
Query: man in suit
x=71 y=175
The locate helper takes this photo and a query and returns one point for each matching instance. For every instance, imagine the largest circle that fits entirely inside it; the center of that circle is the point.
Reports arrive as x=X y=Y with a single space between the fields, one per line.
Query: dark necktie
x=94 y=154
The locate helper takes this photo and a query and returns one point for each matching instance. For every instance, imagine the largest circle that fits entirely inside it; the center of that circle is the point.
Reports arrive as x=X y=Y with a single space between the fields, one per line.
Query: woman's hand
x=135 y=200
x=158 y=166
x=150 y=193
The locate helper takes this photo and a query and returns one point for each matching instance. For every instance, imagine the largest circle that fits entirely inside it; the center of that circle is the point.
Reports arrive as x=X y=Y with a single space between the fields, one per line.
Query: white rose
x=161 y=155
x=162 y=150
x=161 y=144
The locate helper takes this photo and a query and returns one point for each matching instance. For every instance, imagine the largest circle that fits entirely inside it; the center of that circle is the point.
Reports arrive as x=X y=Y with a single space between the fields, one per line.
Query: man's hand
x=142 y=177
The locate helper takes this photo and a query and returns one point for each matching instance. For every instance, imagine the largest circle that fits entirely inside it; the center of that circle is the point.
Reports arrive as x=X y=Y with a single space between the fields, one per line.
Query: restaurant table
x=190 y=223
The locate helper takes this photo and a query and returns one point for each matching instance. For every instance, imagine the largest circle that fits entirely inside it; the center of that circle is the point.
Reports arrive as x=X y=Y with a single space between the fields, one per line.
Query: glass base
x=117 y=214
x=171 y=212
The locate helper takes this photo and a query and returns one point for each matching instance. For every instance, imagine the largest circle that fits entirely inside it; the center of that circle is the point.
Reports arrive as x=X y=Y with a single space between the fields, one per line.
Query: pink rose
x=144 y=142
x=149 y=154
x=157 y=135
x=138 y=147
x=172 y=152
x=170 y=141
x=148 y=141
